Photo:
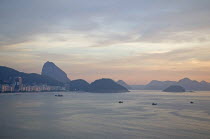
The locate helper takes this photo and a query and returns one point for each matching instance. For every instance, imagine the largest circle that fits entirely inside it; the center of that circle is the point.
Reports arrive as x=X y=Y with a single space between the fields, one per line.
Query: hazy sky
x=133 y=40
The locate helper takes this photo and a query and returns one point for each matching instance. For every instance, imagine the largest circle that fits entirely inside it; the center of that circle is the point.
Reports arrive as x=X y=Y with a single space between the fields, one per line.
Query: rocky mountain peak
x=53 y=71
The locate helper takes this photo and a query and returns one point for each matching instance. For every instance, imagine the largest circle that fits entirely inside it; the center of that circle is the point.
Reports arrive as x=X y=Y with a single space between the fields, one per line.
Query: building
x=18 y=84
x=5 y=88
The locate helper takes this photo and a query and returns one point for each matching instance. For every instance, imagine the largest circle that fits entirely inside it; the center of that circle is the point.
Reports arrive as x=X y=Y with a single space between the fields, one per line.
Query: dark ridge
x=7 y=75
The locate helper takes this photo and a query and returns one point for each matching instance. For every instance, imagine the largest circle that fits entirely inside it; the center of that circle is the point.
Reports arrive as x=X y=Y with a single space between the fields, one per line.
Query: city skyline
x=136 y=41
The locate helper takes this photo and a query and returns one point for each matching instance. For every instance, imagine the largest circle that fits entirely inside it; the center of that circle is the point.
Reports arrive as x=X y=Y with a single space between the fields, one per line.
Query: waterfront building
x=7 y=88
x=18 y=84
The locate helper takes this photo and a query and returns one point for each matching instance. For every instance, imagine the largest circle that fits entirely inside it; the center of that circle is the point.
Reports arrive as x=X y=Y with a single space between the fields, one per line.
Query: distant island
x=52 y=78
x=106 y=86
x=174 y=88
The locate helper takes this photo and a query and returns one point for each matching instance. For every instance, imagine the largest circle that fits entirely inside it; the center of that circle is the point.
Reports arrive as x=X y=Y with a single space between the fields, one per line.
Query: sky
x=133 y=40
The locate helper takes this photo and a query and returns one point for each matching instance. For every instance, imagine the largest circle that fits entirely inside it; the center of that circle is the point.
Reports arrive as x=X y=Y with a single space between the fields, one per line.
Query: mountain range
x=187 y=83
x=101 y=85
x=53 y=75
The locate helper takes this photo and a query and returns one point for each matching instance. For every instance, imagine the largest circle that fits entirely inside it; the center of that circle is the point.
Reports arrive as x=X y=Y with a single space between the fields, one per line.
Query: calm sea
x=100 y=116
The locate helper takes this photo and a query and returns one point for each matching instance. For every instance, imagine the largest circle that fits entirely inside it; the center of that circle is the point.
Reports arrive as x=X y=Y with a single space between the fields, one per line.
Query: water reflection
x=92 y=115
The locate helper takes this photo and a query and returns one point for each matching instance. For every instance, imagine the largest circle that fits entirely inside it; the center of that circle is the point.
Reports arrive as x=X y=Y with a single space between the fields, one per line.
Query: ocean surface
x=100 y=116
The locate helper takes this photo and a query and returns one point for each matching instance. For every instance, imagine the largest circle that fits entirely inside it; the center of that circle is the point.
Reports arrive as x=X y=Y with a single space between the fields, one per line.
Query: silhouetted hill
x=192 y=84
x=8 y=75
x=121 y=82
x=106 y=86
x=79 y=85
x=174 y=88
x=51 y=70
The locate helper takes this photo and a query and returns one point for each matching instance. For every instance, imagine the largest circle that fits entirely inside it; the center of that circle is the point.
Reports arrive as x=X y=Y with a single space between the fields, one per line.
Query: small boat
x=120 y=102
x=191 y=102
x=58 y=95
x=154 y=103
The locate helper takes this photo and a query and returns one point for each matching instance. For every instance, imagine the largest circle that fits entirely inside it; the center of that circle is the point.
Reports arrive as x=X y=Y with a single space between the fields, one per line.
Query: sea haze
x=100 y=116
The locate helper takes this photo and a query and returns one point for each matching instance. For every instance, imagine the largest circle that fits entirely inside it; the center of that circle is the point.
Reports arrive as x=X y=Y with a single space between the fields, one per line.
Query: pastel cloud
x=133 y=40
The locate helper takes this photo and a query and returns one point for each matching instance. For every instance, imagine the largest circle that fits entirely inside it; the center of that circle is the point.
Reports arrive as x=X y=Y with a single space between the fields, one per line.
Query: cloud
x=112 y=38
x=194 y=59
x=24 y=19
